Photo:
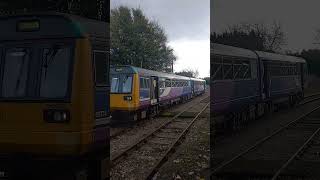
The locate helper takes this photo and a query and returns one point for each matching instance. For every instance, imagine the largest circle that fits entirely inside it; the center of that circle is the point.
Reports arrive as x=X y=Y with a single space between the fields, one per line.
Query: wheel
x=81 y=175
x=236 y=121
x=271 y=107
x=252 y=113
x=98 y=166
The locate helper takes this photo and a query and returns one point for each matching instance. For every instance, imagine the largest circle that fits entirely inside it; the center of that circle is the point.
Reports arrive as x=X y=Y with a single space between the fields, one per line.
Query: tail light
x=56 y=116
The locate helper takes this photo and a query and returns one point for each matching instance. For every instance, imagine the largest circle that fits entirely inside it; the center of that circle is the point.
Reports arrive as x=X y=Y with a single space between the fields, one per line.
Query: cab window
x=15 y=75
x=55 y=72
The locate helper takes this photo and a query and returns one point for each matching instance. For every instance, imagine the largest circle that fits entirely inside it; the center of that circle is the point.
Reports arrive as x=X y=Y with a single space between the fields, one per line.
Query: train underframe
x=93 y=165
x=238 y=119
x=131 y=117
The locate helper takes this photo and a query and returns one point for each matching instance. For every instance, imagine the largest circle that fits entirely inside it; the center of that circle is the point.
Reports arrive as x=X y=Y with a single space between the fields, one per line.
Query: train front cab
x=47 y=107
x=134 y=95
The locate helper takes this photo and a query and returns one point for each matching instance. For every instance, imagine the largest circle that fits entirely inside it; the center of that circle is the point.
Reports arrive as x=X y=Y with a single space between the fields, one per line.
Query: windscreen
x=121 y=83
x=55 y=72
x=35 y=71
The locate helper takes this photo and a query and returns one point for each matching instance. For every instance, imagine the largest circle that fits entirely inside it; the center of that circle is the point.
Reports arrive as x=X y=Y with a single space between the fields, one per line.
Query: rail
x=176 y=139
x=260 y=142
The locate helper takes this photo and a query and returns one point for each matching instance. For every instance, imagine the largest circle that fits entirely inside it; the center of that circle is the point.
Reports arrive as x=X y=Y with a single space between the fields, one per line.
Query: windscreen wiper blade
x=53 y=52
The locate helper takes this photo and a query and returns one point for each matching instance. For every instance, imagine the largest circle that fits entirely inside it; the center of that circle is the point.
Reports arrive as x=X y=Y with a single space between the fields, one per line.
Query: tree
x=312 y=57
x=252 y=36
x=138 y=41
x=188 y=73
x=86 y=8
x=207 y=79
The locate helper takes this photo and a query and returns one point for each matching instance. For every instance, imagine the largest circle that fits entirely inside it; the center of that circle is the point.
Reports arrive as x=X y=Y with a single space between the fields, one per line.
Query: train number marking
x=101 y=114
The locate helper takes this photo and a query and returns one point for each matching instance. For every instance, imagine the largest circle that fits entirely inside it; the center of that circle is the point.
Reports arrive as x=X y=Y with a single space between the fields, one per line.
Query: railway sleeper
x=165 y=136
x=159 y=142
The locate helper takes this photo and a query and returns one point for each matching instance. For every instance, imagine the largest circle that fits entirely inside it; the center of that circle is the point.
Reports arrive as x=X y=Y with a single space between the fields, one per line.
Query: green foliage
x=240 y=39
x=86 y=8
x=137 y=41
x=207 y=79
x=252 y=36
x=312 y=56
x=188 y=73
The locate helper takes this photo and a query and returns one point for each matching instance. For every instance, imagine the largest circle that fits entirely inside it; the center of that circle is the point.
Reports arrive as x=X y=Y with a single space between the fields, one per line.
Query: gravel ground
x=119 y=143
x=140 y=162
x=192 y=156
x=313 y=85
x=227 y=147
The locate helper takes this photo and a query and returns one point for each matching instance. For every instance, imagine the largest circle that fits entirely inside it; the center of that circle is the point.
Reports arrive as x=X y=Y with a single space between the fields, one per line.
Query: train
x=138 y=93
x=245 y=84
x=54 y=92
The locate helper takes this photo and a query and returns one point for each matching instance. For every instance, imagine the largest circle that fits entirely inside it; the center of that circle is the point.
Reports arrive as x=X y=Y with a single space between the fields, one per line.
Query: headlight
x=57 y=116
x=127 y=98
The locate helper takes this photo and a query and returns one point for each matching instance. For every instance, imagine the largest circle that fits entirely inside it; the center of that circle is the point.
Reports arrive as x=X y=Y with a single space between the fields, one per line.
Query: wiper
x=20 y=72
x=53 y=51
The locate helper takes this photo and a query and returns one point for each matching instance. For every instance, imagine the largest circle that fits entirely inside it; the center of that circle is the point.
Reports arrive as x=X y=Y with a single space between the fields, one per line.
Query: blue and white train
x=137 y=93
x=245 y=84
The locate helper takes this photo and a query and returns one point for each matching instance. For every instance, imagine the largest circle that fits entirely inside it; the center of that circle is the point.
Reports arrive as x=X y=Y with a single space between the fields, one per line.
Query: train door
x=302 y=77
x=192 y=87
x=266 y=79
x=154 y=90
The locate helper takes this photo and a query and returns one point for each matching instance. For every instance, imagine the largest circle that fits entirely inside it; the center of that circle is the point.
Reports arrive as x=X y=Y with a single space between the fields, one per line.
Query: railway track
x=281 y=154
x=144 y=157
x=310 y=98
x=122 y=130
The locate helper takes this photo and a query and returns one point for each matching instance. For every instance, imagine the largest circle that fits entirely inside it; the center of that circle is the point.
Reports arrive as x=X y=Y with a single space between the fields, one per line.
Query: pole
x=172 y=66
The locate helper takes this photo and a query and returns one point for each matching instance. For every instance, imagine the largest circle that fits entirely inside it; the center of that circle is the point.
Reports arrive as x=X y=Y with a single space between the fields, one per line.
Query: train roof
x=195 y=79
x=137 y=70
x=240 y=52
x=279 y=57
x=50 y=25
x=222 y=49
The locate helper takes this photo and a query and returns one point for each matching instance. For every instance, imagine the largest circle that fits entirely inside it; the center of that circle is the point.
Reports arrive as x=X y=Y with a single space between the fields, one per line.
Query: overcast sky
x=187 y=24
x=299 y=18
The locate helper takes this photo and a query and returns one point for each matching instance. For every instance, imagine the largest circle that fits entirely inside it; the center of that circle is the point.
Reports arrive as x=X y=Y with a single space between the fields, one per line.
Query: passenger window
x=173 y=83
x=144 y=91
x=253 y=69
x=162 y=84
x=227 y=69
x=237 y=70
x=246 y=70
x=217 y=73
x=141 y=83
x=147 y=83
x=101 y=67
x=168 y=83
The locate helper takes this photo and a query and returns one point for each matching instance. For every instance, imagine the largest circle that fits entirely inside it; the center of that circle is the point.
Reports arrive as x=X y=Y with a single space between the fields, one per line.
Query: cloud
x=193 y=55
x=187 y=24
x=180 y=18
x=299 y=18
